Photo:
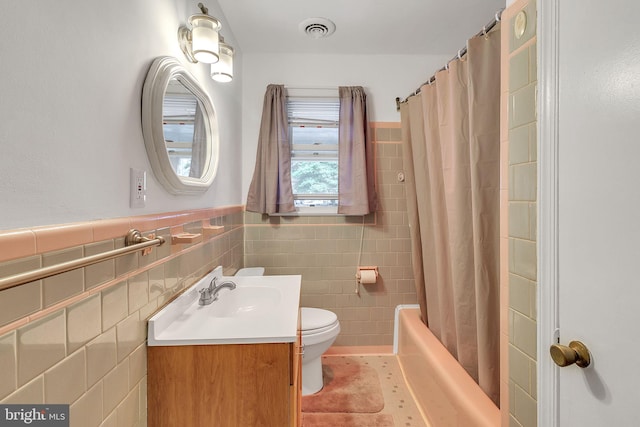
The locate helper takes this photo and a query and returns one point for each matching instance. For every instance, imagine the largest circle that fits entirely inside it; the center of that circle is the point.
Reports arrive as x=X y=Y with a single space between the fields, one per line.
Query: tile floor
x=398 y=401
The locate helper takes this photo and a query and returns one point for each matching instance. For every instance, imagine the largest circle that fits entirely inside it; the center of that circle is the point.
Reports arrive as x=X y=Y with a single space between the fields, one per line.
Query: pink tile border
x=507 y=15
x=27 y=242
x=533 y=40
x=392 y=125
x=63 y=236
x=106 y=227
x=504 y=215
x=17 y=244
x=504 y=403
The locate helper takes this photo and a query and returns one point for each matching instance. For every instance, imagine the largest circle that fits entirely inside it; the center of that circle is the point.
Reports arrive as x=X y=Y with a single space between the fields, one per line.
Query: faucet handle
x=212 y=285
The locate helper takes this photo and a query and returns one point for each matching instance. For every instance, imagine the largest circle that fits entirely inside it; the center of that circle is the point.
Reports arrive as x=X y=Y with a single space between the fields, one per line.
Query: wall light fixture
x=222 y=71
x=203 y=43
x=200 y=43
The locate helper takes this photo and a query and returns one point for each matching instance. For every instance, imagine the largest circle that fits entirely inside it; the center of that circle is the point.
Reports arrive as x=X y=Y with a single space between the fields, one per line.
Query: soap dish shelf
x=212 y=230
x=183 y=238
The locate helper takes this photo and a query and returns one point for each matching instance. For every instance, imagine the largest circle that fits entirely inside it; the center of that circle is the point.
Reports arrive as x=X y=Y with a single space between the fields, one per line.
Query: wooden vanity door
x=222 y=385
x=296 y=380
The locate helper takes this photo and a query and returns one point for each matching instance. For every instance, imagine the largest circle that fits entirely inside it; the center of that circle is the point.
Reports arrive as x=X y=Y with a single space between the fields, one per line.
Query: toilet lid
x=316 y=318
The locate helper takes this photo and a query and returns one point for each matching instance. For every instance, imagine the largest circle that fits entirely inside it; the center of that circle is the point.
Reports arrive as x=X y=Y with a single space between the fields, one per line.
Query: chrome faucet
x=210 y=293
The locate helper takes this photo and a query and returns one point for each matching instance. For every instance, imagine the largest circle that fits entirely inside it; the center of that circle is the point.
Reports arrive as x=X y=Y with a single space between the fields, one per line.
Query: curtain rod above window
x=485 y=30
x=312 y=91
x=312 y=87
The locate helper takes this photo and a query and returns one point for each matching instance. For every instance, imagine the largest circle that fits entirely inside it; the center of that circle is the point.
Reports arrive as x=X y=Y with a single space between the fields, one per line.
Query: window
x=178 y=113
x=313 y=133
x=330 y=149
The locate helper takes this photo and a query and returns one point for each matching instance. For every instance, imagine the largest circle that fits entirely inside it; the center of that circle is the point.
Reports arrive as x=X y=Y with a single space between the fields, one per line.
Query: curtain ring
x=446 y=66
x=484 y=32
x=459 y=54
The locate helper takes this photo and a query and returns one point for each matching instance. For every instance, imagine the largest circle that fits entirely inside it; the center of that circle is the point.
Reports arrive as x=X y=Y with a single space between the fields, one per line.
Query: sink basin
x=261 y=309
x=246 y=301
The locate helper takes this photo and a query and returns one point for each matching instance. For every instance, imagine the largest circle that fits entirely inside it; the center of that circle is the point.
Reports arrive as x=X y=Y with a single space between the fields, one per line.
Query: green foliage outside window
x=314 y=177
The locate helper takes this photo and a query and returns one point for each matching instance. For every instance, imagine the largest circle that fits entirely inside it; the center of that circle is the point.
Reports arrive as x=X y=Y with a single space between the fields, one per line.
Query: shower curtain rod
x=485 y=30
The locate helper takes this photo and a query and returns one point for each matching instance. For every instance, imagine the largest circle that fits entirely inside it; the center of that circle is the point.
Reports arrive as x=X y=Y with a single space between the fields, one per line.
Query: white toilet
x=320 y=328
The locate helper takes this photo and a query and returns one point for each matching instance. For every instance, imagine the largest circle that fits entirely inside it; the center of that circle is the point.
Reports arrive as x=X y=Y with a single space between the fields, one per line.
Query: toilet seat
x=318 y=325
x=314 y=320
x=316 y=331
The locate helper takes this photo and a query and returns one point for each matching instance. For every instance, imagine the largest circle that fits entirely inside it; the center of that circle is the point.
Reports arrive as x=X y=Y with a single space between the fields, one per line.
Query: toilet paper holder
x=367 y=276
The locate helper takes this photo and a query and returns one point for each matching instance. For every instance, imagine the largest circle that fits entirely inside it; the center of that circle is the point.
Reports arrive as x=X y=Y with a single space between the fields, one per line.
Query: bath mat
x=346 y=420
x=349 y=386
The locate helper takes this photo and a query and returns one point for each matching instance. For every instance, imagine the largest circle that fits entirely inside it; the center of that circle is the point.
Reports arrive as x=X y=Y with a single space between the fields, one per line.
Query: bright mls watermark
x=34 y=415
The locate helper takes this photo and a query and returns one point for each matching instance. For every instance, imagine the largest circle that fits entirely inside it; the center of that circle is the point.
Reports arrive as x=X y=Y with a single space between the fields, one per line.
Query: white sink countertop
x=261 y=309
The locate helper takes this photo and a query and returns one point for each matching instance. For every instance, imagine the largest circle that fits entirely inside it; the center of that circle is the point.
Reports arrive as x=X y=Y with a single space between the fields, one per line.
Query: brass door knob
x=576 y=353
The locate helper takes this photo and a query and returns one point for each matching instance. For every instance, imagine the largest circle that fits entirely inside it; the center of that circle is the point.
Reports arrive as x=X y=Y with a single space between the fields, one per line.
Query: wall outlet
x=138 y=188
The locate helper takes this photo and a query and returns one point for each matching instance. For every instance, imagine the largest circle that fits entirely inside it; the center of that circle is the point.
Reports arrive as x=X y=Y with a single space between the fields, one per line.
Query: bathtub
x=446 y=394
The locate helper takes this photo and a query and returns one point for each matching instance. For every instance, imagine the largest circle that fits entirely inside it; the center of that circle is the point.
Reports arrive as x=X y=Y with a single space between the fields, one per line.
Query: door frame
x=547 y=252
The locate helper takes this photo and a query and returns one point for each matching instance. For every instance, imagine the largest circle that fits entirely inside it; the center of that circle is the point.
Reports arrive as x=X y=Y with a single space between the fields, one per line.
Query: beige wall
x=71 y=151
x=80 y=338
x=519 y=276
x=325 y=250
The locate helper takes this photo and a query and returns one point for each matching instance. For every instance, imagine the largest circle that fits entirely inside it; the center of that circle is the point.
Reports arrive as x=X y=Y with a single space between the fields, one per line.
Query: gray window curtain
x=270 y=190
x=199 y=146
x=356 y=173
x=451 y=135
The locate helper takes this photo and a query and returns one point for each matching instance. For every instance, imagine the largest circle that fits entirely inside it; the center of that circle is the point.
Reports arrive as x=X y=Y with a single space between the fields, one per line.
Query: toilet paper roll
x=367 y=276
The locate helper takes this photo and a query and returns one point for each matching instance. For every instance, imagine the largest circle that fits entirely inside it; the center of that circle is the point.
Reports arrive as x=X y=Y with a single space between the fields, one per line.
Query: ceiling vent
x=317 y=28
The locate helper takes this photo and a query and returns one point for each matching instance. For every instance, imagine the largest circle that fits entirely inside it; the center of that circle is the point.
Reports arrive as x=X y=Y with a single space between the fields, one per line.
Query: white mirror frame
x=162 y=70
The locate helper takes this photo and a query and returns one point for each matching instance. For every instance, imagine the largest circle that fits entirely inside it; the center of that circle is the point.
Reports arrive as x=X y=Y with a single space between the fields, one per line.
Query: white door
x=598 y=211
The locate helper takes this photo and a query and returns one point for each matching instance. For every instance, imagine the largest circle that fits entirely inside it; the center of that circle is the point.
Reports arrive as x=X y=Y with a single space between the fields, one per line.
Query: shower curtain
x=451 y=135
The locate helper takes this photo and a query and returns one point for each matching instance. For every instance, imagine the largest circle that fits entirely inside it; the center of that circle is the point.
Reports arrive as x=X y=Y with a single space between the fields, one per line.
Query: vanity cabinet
x=226 y=385
x=296 y=382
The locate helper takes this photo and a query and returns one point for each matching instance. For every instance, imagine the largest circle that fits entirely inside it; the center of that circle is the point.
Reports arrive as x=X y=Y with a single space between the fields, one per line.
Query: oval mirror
x=180 y=128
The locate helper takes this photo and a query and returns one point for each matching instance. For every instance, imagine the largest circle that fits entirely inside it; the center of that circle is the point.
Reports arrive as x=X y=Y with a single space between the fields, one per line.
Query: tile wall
x=327 y=250
x=519 y=278
x=80 y=337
